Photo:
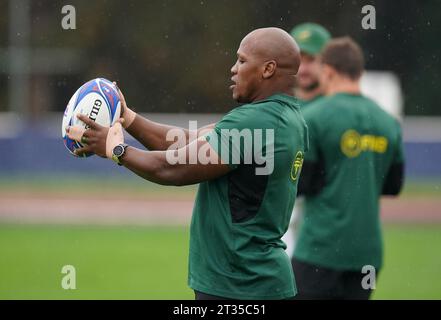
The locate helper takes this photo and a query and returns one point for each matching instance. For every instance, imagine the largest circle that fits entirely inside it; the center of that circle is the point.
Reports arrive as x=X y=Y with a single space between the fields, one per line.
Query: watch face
x=118 y=150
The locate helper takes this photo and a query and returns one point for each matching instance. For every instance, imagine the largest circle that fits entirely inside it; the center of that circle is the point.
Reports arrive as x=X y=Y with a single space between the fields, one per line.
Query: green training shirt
x=239 y=219
x=357 y=142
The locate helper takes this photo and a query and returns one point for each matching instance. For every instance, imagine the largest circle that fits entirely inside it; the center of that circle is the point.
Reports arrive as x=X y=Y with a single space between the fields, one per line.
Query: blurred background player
x=355 y=156
x=311 y=38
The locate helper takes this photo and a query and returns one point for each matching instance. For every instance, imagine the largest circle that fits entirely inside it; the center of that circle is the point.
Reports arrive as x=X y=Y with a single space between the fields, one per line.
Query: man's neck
x=343 y=85
x=270 y=90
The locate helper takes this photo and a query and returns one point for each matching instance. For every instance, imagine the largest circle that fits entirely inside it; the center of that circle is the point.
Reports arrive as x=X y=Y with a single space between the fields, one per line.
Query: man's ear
x=269 y=69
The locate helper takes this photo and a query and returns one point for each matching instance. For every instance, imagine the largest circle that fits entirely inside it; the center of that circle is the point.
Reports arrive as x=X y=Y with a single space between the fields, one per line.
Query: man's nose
x=234 y=68
x=303 y=69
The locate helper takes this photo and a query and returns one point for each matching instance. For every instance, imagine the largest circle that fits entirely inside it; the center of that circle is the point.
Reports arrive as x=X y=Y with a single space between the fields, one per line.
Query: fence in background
x=37 y=148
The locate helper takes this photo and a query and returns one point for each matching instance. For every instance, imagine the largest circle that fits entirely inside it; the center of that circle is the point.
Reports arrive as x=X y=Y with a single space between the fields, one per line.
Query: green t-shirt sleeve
x=232 y=137
x=220 y=142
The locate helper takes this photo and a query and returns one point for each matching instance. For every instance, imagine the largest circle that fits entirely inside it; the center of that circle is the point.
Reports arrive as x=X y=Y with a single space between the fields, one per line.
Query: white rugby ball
x=98 y=99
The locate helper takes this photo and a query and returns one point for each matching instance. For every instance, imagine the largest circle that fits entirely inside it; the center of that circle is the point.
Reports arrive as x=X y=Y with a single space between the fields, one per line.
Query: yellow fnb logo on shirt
x=297 y=166
x=352 y=143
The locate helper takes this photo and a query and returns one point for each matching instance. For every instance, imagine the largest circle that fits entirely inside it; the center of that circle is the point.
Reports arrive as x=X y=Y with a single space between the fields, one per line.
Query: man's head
x=342 y=61
x=311 y=39
x=267 y=61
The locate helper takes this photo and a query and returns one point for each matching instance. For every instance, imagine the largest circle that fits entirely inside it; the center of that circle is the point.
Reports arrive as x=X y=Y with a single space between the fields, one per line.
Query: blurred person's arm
x=395 y=177
x=153 y=135
x=394 y=180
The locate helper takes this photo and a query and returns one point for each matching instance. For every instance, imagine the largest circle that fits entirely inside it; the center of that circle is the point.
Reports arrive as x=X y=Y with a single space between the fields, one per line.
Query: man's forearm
x=152 y=135
x=154 y=166
x=150 y=165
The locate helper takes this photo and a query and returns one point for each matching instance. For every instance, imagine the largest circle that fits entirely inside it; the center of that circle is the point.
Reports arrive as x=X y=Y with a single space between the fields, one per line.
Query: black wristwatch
x=118 y=152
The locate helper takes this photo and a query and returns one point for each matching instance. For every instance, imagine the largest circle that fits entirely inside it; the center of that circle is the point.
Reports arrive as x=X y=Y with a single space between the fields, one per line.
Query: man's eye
x=241 y=61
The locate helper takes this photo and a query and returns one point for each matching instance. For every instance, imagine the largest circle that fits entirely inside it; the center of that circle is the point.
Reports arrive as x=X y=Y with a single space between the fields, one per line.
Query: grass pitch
x=151 y=262
x=110 y=262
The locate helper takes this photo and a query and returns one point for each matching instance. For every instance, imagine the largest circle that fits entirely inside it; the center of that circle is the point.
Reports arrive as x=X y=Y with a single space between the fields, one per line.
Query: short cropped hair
x=345 y=56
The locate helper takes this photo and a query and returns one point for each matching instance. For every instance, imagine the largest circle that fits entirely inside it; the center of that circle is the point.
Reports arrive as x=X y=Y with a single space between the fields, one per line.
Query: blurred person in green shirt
x=355 y=155
x=311 y=38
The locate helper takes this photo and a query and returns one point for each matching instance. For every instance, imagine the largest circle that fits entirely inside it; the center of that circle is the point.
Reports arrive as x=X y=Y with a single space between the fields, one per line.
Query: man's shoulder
x=318 y=107
x=244 y=116
x=277 y=101
x=266 y=110
x=283 y=110
x=383 y=117
x=241 y=113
